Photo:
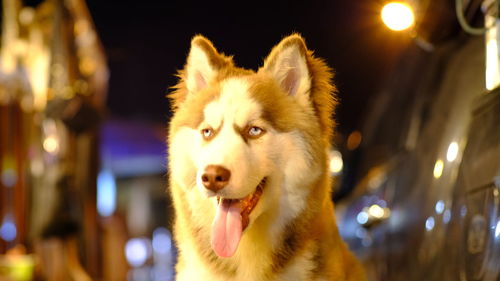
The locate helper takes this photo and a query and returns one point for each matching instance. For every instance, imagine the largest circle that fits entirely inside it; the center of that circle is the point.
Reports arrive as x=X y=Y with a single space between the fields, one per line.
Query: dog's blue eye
x=255 y=131
x=207 y=133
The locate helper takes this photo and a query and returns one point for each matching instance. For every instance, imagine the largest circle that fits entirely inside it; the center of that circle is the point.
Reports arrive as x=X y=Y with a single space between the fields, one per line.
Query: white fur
x=300 y=269
x=194 y=262
x=199 y=71
x=235 y=105
x=295 y=163
x=185 y=142
x=228 y=149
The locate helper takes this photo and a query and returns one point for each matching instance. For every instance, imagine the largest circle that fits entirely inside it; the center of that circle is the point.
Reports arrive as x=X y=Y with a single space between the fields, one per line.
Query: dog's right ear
x=202 y=66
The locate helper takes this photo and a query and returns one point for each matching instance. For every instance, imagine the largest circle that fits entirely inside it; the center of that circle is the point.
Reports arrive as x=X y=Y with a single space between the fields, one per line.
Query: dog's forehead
x=234 y=104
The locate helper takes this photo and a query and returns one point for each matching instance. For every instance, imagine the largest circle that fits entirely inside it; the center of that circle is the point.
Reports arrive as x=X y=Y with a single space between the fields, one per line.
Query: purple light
x=8 y=230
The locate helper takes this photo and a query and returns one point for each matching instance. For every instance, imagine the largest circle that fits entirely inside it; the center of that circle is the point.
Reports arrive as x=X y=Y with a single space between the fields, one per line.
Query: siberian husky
x=249 y=172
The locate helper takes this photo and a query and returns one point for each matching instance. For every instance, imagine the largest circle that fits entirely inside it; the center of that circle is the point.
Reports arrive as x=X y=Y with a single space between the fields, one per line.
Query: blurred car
x=426 y=205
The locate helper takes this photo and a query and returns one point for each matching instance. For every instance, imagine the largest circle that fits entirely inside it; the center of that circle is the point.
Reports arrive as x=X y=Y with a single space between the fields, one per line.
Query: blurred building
x=53 y=83
x=133 y=202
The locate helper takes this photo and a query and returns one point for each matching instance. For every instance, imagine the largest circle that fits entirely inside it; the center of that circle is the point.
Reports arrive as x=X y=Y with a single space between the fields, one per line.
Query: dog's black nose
x=215 y=177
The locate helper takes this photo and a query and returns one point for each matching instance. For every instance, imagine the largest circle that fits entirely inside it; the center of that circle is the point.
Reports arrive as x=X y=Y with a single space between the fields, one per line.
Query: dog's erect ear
x=288 y=64
x=202 y=66
x=304 y=76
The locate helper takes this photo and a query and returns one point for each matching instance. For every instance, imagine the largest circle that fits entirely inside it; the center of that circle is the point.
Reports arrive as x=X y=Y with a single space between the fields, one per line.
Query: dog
x=248 y=168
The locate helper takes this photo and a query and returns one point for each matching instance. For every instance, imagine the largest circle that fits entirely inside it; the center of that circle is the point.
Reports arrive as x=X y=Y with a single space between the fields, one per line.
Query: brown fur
x=310 y=241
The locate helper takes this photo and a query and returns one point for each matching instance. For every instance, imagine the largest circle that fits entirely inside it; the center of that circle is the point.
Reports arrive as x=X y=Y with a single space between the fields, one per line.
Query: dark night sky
x=147 y=41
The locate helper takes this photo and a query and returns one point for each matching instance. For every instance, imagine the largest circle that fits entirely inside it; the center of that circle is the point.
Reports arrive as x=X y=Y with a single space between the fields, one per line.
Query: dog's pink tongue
x=226 y=228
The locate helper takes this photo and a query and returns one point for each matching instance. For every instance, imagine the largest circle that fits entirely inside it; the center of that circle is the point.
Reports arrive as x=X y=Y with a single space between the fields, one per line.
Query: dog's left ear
x=305 y=77
x=287 y=63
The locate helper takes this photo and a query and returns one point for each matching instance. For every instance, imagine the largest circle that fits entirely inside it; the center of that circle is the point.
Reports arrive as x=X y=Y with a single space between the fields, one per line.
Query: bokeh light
x=137 y=251
x=162 y=241
x=398 y=16
x=106 y=193
x=452 y=152
x=438 y=169
x=376 y=211
x=354 y=140
x=51 y=144
x=362 y=217
x=439 y=207
x=429 y=223
x=336 y=162
x=8 y=230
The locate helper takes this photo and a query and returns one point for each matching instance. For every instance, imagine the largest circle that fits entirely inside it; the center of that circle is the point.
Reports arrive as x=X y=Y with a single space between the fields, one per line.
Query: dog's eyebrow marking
x=240 y=132
x=268 y=116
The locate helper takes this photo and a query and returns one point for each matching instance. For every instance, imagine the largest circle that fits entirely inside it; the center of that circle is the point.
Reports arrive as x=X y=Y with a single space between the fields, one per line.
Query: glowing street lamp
x=398 y=16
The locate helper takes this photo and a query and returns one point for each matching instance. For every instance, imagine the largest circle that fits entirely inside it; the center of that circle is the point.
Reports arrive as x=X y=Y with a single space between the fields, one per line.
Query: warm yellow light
x=398 y=16
x=336 y=163
x=376 y=211
x=492 y=56
x=438 y=168
x=39 y=75
x=50 y=144
x=492 y=67
x=26 y=15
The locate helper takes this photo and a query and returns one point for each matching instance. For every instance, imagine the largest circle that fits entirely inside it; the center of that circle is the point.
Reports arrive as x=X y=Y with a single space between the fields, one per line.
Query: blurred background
x=83 y=121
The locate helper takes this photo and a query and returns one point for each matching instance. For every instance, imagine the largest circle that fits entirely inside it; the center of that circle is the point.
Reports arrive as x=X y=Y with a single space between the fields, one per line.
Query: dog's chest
x=251 y=269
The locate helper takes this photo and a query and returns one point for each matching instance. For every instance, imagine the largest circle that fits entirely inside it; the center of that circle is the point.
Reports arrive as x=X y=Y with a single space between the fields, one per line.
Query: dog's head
x=245 y=144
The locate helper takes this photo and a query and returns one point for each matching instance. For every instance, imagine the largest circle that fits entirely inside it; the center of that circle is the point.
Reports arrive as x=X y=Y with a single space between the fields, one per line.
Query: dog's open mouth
x=231 y=218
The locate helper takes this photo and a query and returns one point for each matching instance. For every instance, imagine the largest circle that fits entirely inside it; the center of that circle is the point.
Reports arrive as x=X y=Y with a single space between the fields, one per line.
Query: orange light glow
x=354 y=140
x=398 y=16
